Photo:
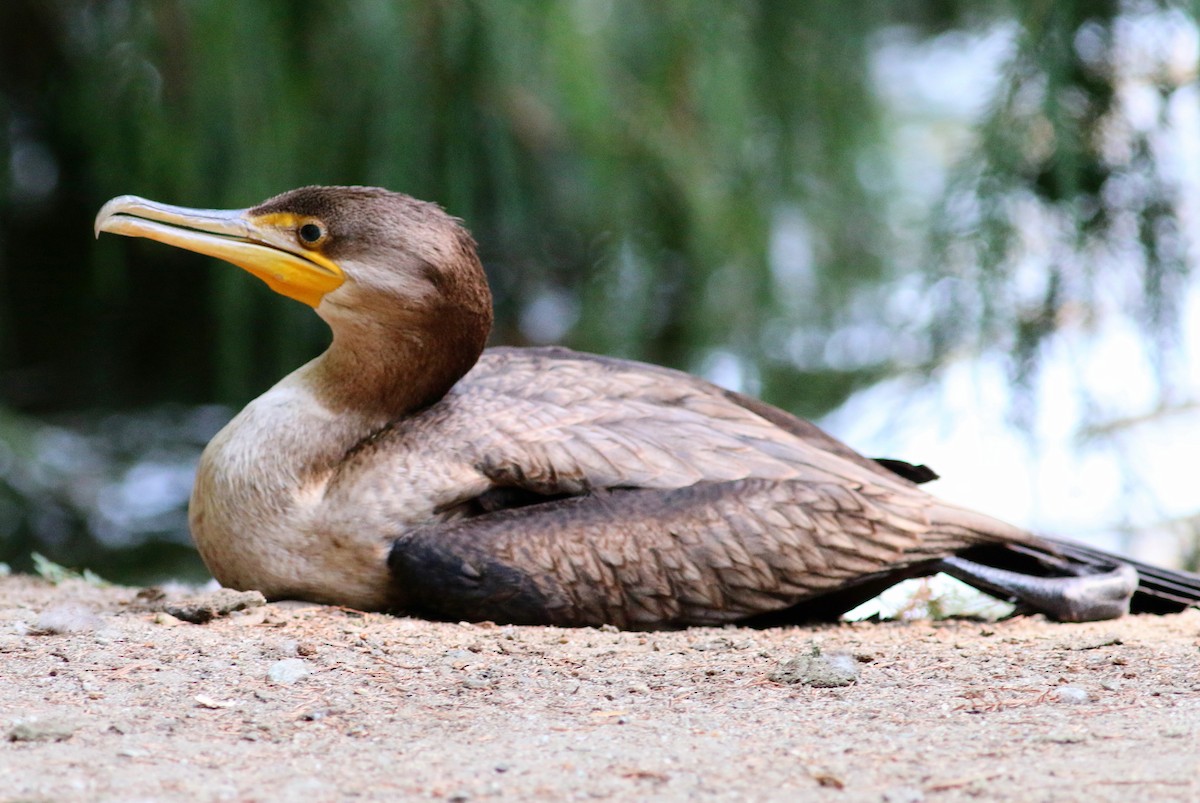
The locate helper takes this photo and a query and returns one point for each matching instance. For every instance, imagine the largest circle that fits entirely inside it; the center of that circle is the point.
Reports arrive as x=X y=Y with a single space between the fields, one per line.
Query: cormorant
x=409 y=469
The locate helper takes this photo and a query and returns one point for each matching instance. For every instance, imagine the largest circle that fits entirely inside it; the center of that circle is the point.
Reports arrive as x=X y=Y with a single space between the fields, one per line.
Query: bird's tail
x=1159 y=590
x=1064 y=580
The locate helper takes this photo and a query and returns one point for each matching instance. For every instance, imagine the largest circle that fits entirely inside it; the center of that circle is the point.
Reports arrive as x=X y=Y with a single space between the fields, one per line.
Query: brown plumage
x=408 y=469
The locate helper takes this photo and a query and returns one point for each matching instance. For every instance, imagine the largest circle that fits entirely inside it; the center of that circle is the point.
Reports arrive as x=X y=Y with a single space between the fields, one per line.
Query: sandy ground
x=104 y=699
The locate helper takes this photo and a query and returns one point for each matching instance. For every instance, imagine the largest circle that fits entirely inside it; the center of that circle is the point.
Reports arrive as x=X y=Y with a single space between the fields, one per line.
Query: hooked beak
x=265 y=245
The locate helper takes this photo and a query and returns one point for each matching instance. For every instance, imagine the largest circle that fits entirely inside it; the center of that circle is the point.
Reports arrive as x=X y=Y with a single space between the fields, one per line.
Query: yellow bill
x=267 y=246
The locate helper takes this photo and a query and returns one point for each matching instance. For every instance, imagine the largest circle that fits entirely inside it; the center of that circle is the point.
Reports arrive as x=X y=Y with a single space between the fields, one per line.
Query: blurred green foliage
x=630 y=170
x=625 y=159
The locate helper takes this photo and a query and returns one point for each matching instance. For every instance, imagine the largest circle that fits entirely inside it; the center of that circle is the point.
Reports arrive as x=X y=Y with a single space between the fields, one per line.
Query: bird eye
x=311 y=233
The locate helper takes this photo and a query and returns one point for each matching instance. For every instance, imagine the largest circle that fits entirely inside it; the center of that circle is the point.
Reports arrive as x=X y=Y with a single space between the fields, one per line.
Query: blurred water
x=105 y=491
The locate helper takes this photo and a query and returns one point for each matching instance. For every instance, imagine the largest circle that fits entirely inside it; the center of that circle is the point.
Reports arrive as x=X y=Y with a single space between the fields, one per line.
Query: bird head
x=333 y=248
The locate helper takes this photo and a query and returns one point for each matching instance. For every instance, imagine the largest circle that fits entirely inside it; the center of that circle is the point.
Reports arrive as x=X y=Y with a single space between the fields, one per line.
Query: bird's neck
x=383 y=368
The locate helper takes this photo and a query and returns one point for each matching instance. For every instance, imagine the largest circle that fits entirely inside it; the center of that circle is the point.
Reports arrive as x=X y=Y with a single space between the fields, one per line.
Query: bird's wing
x=553 y=423
x=560 y=422
x=588 y=490
x=709 y=553
x=609 y=491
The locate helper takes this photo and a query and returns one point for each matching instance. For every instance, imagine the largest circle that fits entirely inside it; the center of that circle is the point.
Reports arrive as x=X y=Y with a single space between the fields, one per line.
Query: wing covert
x=557 y=422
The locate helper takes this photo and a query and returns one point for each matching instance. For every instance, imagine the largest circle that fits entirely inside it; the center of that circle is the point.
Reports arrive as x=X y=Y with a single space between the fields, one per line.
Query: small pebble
x=1073 y=695
x=1064 y=737
x=223 y=602
x=287 y=671
x=204 y=701
x=459 y=659
x=41 y=730
x=826 y=778
x=719 y=644
x=817 y=669
x=477 y=682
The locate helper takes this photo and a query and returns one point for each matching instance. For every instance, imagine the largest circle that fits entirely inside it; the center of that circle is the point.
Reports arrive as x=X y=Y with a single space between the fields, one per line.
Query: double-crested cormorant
x=408 y=469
